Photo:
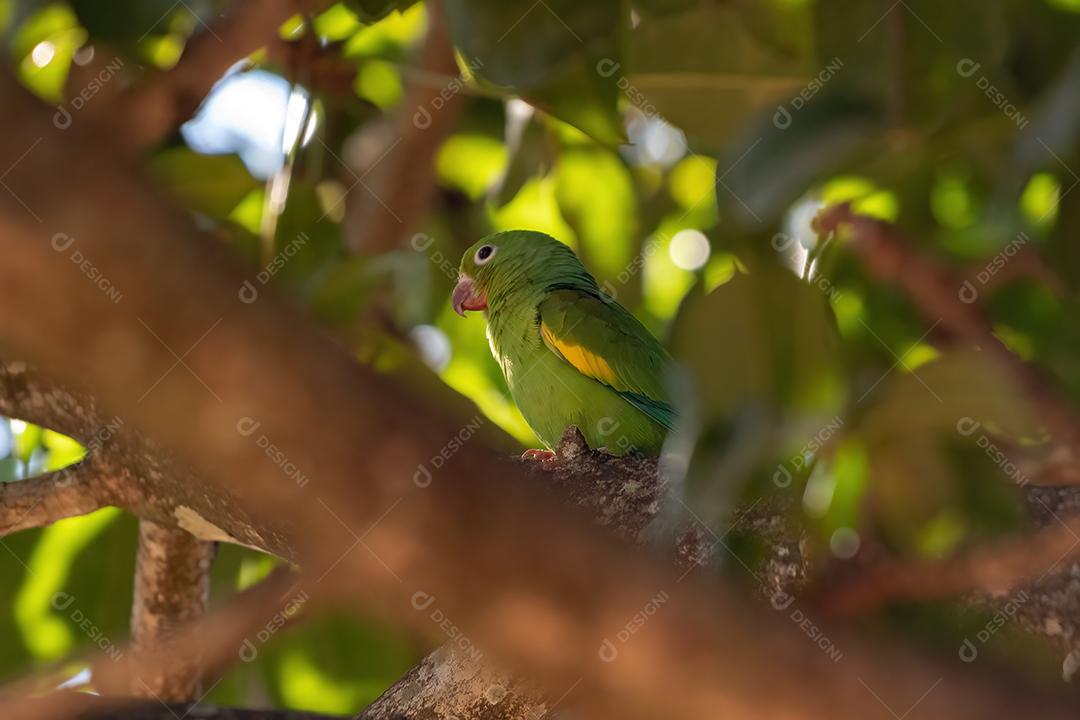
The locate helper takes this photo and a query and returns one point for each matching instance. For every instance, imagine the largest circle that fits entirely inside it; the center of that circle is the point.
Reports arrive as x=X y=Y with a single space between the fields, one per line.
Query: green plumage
x=570 y=355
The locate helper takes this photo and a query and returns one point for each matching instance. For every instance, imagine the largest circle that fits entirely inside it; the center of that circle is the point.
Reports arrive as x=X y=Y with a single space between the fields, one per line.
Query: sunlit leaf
x=378 y=82
x=471 y=163
x=596 y=197
x=47 y=608
x=337 y=23
x=534 y=208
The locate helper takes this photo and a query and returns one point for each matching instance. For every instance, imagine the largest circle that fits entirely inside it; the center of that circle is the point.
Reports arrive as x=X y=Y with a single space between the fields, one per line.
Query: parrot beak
x=467 y=296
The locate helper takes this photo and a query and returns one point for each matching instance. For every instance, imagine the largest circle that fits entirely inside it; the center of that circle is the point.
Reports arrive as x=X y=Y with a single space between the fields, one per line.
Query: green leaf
x=764 y=337
x=68 y=599
x=336 y=23
x=777 y=158
x=126 y=22
x=762 y=377
x=936 y=436
x=596 y=197
x=209 y=184
x=471 y=162
x=547 y=53
x=54 y=33
x=707 y=70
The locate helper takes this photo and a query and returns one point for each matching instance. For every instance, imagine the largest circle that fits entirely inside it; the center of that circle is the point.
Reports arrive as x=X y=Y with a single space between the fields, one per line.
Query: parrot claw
x=545 y=457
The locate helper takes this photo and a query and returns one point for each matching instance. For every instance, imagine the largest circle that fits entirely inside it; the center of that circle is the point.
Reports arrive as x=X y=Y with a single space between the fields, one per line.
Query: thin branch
x=172 y=588
x=993 y=568
x=936 y=293
x=45 y=499
x=390 y=196
x=151 y=109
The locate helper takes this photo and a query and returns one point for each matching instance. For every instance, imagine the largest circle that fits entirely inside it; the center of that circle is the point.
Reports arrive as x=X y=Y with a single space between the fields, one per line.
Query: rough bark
x=122 y=468
x=36 y=502
x=172 y=589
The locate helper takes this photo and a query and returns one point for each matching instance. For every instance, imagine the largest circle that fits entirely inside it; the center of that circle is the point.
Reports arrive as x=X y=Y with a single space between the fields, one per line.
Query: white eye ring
x=487 y=258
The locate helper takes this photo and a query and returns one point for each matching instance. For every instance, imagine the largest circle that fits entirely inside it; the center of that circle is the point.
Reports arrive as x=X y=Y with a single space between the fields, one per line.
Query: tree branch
x=125 y=469
x=997 y=567
x=383 y=210
x=42 y=500
x=172 y=588
x=151 y=109
x=936 y=294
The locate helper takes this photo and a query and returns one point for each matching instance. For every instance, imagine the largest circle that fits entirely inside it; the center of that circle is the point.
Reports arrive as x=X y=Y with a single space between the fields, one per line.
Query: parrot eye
x=485 y=253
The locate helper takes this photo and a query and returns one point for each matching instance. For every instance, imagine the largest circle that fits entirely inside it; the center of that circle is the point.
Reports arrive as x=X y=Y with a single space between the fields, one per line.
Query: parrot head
x=514 y=260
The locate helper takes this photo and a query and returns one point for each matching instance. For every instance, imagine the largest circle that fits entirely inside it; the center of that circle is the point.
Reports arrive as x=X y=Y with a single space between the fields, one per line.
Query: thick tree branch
x=172 y=588
x=125 y=469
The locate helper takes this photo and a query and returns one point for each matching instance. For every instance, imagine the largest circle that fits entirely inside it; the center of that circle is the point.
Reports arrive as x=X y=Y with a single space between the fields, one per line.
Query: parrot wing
x=603 y=341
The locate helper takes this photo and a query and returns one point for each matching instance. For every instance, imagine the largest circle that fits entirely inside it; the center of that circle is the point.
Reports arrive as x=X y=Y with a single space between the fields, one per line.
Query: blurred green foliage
x=958 y=121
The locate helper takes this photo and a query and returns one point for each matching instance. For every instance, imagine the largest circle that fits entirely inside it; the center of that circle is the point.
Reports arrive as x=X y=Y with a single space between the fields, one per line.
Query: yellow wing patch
x=585 y=361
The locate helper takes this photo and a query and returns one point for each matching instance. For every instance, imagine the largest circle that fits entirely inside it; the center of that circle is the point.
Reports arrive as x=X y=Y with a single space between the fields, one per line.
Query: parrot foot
x=546 y=458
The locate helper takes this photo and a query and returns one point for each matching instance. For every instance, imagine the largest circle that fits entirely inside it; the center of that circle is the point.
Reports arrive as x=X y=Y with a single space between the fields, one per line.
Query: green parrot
x=570 y=354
